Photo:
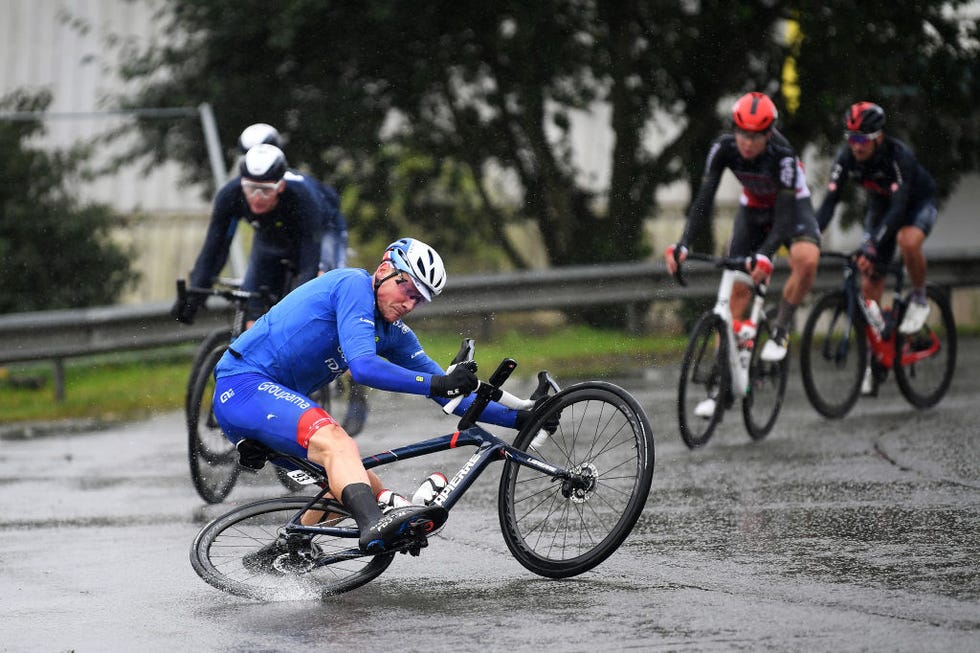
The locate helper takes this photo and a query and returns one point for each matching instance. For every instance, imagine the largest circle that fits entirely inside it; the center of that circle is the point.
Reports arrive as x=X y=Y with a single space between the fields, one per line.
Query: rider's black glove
x=524 y=416
x=461 y=381
x=185 y=310
x=869 y=249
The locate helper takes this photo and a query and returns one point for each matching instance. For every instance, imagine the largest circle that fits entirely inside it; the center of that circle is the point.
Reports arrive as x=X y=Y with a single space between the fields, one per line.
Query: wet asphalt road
x=859 y=534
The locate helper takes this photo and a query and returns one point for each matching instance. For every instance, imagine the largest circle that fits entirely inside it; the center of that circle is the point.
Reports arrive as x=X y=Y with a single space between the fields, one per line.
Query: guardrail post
x=59 y=380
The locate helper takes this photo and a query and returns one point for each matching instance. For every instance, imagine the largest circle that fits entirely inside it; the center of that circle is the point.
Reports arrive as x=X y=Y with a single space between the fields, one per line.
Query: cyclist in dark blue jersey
x=774 y=210
x=286 y=216
x=901 y=205
x=344 y=319
x=333 y=246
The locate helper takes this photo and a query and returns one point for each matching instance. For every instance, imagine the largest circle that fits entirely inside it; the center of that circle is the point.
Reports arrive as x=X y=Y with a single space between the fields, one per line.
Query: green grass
x=134 y=385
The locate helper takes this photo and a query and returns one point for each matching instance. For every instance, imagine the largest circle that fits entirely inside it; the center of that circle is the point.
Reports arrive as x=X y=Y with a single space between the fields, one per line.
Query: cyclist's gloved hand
x=869 y=249
x=185 y=310
x=461 y=381
x=524 y=416
x=673 y=255
x=759 y=262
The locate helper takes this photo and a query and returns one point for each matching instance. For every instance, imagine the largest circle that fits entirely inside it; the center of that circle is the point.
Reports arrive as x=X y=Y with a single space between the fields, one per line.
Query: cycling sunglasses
x=258 y=188
x=857 y=138
x=752 y=136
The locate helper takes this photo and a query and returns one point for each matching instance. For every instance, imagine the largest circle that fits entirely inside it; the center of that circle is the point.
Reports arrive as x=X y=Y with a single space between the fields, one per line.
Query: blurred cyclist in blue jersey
x=345 y=319
x=333 y=246
x=285 y=214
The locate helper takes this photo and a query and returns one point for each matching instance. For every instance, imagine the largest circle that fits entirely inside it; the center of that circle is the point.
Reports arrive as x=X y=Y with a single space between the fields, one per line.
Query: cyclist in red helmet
x=901 y=206
x=774 y=209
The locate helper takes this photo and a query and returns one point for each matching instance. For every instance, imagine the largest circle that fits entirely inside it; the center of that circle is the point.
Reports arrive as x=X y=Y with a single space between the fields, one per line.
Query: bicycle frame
x=881 y=344
x=489 y=448
x=739 y=369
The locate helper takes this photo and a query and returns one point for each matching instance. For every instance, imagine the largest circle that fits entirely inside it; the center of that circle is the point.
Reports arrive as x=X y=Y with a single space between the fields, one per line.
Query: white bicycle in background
x=722 y=362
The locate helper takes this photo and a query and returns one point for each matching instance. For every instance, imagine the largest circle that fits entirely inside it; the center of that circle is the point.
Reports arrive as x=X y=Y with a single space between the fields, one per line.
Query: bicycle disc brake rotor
x=581 y=487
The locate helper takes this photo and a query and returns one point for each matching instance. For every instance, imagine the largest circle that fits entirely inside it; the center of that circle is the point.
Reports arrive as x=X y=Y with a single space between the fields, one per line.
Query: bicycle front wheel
x=925 y=361
x=833 y=355
x=213 y=458
x=246 y=552
x=767 y=387
x=560 y=528
x=704 y=380
x=212 y=340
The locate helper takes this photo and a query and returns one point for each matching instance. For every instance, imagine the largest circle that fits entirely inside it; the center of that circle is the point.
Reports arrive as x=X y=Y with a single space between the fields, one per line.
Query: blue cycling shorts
x=253 y=406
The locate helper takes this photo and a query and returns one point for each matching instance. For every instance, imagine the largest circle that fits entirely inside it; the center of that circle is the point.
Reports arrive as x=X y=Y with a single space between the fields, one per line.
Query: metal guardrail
x=56 y=335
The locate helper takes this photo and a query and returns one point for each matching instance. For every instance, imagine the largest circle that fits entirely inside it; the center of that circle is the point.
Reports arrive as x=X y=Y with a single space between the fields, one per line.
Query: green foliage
x=419 y=110
x=54 y=253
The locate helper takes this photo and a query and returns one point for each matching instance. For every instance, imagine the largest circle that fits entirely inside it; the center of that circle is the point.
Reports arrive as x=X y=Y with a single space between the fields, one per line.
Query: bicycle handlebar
x=231 y=294
x=722 y=262
x=490 y=390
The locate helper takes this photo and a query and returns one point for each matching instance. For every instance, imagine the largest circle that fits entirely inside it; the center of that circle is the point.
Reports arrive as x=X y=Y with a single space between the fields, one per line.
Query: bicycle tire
x=704 y=374
x=212 y=457
x=219 y=554
x=767 y=388
x=557 y=531
x=924 y=382
x=833 y=356
x=212 y=340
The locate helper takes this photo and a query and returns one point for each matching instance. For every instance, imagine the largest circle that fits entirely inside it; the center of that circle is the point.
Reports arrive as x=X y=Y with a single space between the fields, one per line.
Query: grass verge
x=122 y=387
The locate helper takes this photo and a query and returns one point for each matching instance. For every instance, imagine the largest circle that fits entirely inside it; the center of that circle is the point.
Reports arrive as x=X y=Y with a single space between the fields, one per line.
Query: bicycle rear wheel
x=559 y=528
x=833 y=355
x=704 y=375
x=767 y=387
x=925 y=361
x=213 y=458
x=246 y=553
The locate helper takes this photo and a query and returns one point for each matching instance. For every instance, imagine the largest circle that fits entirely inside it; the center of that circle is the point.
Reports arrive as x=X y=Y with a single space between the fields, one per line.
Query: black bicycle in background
x=213 y=459
x=841 y=344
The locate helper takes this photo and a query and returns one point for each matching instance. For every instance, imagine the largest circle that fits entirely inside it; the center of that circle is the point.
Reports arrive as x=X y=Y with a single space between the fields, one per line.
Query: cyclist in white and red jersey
x=774 y=209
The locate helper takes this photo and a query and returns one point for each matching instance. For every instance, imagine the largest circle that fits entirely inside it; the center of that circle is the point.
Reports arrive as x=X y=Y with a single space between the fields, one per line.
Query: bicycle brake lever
x=487 y=392
x=545 y=384
x=465 y=354
x=680 y=275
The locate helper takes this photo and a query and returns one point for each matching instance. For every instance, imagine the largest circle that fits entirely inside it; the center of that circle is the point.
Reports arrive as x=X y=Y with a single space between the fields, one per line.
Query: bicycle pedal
x=415 y=547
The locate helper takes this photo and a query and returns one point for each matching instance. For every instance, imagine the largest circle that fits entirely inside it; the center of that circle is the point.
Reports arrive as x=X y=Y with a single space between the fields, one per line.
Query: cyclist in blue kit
x=344 y=319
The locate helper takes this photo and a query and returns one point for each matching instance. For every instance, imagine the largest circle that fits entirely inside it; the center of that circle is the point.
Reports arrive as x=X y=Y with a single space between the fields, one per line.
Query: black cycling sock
x=784 y=318
x=360 y=500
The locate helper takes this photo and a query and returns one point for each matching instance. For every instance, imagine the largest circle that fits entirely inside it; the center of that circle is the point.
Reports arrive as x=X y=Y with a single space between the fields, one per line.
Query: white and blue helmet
x=257 y=134
x=421 y=262
x=263 y=162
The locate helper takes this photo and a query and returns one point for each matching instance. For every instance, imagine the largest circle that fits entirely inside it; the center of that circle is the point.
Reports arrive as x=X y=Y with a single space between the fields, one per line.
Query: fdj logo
x=226 y=395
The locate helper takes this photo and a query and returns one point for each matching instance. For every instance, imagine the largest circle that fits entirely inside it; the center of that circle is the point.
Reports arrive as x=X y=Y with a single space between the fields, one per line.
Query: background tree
x=419 y=111
x=54 y=252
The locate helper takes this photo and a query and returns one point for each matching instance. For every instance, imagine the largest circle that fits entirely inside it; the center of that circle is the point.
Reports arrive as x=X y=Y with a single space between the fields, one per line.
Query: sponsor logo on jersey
x=284 y=395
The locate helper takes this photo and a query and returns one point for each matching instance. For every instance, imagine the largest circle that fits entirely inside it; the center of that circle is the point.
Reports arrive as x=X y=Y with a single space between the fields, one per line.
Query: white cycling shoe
x=868 y=383
x=705 y=409
x=915 y=318
x=776 y=347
